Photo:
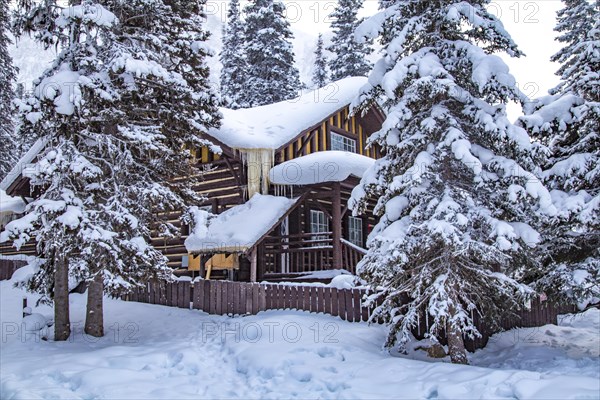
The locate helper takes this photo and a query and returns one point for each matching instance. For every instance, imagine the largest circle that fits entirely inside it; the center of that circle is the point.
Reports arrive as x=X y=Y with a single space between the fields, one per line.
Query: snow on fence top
x=323 y=166
x=273 y=125
x=239 y=228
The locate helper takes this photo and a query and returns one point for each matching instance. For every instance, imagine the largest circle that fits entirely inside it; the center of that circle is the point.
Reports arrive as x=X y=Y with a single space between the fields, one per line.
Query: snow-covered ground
x=160 y=352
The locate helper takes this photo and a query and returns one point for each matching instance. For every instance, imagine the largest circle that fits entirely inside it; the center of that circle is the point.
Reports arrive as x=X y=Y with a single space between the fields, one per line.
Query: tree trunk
x=456 y=344
x=94 y=317
x=62 y=322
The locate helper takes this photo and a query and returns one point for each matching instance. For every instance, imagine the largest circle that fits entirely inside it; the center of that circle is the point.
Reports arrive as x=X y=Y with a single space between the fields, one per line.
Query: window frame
x=318 y=220
x=355 y=231
x=346 y=143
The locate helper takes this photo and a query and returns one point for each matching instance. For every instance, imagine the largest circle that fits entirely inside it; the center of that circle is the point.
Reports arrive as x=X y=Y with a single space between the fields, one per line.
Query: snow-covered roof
x=319 y=167
x=272 y=126
x=15 y=173
x=10 y=204
x=239 y=228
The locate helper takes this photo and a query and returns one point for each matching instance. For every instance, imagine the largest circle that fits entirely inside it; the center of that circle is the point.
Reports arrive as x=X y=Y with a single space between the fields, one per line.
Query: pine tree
x=233 y=74
x=118 y=108
x=568 y=123
x=272 y=76
x=578 y=23
x=8 y=144
x=454 y=195
x=320 y=76
x=349 y=55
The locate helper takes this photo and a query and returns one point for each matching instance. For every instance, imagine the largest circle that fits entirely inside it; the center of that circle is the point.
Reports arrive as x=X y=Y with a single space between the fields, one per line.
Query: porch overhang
x=239 y=229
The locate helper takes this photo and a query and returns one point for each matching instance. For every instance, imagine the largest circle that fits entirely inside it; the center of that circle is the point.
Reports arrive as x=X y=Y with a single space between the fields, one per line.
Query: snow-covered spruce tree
x=578 y=25
x=350 y=57
x=8 y=144
x=568 y=122
x=233 y=74
x=118 y=108
x=454 y=195
x=320 y=76
x=272 y=75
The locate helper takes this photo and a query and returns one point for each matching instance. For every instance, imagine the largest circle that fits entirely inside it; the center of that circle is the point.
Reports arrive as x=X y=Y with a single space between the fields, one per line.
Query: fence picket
x=236 y=289
x=356 y=305
x=280 y=297
x=343 y=307
x=229 y=297
x=187 y=295
x=248 y=299
x=288 y=297
x=349 y=305
x=320 y=300
x=305 y=298
x=224 y=297
x=335 y=308
x=255 y=300
x=294 y=297
x=243 y=304
x=197 y=296
x=364 y=309
x=262 y=294
x=212 y=297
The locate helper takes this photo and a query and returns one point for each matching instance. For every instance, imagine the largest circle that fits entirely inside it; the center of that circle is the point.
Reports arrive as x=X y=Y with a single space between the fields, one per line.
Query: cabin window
x=355 y=231
x=342 y=143
x=318 y=224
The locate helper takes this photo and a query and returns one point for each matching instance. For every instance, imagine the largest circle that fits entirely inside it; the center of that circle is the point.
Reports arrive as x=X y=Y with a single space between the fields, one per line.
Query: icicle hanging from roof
x=258 y=165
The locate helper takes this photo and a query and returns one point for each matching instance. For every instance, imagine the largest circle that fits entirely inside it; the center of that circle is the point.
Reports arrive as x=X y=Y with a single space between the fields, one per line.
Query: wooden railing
x=303 y=252
x=306 y=252
x=351 y=256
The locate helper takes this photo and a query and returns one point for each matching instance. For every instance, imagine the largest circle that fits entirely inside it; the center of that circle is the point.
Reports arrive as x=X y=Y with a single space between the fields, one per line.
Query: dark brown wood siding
x=318 y=137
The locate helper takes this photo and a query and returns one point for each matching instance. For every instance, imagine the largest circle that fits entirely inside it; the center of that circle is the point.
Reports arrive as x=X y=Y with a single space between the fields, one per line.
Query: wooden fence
x=238 y=298
x=8 y=267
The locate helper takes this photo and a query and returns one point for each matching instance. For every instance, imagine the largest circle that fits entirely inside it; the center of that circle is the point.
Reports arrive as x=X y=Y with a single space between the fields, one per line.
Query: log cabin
x=275 y=195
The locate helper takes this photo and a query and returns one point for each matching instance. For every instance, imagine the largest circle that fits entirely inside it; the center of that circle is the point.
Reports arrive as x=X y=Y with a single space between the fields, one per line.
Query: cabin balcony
x=306 y=257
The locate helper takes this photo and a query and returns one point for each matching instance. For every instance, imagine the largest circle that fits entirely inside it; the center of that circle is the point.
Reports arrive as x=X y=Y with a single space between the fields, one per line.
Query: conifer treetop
x=580 y=57
x=349 y=54
x=234 y=72
x=272 y=75
x=8 y=142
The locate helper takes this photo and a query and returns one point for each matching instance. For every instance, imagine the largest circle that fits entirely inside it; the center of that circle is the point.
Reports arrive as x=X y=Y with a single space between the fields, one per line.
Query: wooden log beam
x=337 y=226
x=253 y=265
x=305 y=142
